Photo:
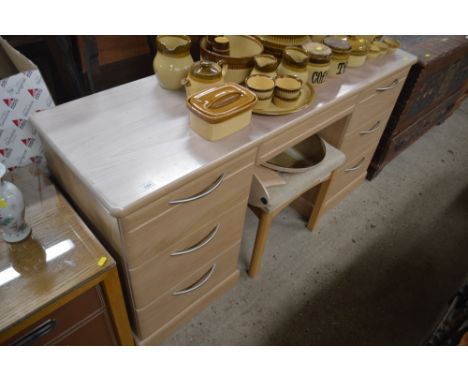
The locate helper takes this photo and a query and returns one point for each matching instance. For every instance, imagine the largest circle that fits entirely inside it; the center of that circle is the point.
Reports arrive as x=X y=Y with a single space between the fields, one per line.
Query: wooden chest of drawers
x=436 y=85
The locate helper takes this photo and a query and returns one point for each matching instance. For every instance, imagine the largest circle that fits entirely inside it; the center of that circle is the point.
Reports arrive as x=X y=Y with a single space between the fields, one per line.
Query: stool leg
x=260 y=242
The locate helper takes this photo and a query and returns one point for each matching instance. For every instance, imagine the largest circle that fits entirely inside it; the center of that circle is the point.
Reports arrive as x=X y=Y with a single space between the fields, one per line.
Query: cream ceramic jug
x=172 y=61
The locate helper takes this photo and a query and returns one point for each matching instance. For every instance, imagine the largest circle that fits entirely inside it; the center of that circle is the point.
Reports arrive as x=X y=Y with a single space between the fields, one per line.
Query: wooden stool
x=279 y=197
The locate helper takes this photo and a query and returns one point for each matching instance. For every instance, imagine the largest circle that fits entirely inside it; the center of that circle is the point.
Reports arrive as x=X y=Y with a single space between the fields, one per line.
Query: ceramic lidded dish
x=359 y=50
x=287 y=91
x=240 y=61
x=275 y=44
x=204 y=75
x=263 y=87
x=218 y=112
x=341 y=50
x=300 y=158
x=319 y=62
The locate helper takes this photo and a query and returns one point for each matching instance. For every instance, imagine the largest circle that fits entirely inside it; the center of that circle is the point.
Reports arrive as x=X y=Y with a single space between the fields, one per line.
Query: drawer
x=166 y=269
x=187 y=292
x=303 y=130
x=351 y=170
x=61 y=320
x=166 y=223
x=92 y=332
x=376 y=100
x=367 y=137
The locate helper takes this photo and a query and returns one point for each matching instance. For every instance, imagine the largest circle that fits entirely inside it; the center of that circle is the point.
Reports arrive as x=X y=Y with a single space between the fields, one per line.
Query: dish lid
x=337 y=45
x=318 y=53
x=295 y=56
x=222 y=102
x=204 y=70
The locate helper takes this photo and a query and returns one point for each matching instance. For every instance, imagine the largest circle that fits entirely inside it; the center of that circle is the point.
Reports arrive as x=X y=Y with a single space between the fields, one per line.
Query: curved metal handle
x=200 y=244
x=394 y=84
x=373 y=129
x=208 y=191
x=198 y=284
x=357 y=166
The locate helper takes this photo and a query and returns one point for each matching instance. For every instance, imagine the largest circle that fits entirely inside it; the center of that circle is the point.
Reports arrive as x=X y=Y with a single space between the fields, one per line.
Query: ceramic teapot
x=172 y=61
x=204 y=75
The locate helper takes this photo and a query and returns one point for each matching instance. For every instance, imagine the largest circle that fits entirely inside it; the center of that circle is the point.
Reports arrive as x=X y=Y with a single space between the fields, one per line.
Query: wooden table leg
x=260 y=242
x=116 y=305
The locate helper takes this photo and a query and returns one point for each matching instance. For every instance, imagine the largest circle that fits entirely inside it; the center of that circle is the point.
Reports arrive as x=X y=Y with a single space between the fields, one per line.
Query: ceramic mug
x=263 y=87
x=287 y=91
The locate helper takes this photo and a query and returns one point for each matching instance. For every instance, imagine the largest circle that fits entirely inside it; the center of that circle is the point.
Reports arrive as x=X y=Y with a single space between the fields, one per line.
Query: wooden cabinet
x=436 y=85
x=171 y=205
x=59 y=286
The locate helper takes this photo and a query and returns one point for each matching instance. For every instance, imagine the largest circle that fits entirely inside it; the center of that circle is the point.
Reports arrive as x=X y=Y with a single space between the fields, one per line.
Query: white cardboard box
x=22 y=92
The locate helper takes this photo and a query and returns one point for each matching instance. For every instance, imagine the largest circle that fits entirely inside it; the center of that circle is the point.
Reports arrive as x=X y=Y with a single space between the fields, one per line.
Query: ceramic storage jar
x=359 y=49
x=294 y=63
x=340 y=54
x=374 y=51
x=319 y=62
x=204 y=75
x=172 y=61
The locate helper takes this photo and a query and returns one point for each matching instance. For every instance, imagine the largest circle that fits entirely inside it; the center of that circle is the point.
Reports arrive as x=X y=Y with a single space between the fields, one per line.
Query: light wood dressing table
x=171 y=205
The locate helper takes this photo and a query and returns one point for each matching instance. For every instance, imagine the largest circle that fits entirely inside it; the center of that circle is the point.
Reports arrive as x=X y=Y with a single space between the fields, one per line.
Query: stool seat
x=268 y=202
x=298 y=183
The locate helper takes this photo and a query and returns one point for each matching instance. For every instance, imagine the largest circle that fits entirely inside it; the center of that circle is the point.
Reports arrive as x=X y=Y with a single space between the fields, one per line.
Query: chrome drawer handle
x=357 y=166
x=198 y=284
x=393 y=85
x=373 y=129
x=200 y=244
x=208 y=191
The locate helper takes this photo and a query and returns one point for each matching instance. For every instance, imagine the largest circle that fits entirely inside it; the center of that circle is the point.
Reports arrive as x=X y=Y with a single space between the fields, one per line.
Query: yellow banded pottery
x=374 y=51
x=240 y=61
x=218 y=112
x=172 y=61
x=275 y=44
x=359 y=50
x=319 y=62
x=294 y=63
x=287 y=91
x=204 y=75
x=265 y=64
x=220 y=45
x=391 y=43
x=382 y=46
x=263 y=86
x=340 y=54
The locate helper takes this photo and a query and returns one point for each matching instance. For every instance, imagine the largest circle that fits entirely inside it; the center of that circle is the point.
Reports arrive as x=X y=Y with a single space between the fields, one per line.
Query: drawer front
x=168 y=268
x=303 y=130
x=339 y=196
x=379 y=98
x=187 y=292
x=204 y=182
x=351 y=170
x=367 y=137
x=177 y=220
x=61 y=320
